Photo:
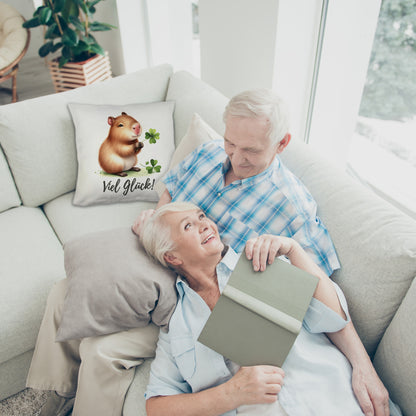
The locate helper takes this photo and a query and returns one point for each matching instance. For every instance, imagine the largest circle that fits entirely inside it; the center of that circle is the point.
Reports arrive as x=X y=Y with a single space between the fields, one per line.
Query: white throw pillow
x=198 y=133
x=121 y=150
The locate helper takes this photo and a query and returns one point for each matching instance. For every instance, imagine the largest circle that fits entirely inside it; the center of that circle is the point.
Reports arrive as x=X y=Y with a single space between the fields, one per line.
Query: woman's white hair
x=155 y=234
x=261 y=104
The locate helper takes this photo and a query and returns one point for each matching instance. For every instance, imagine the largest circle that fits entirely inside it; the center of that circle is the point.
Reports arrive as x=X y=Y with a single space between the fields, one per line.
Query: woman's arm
x=250 y=385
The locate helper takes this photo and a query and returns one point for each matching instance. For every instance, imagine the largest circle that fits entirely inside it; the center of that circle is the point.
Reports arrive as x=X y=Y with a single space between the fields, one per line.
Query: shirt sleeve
x=319 y=318
x=315 y=240
x=173 y=178
x=165 y=378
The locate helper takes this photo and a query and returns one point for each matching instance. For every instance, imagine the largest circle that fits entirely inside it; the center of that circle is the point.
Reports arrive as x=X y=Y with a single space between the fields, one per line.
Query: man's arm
x=165 y=198
x=264 y=249
x=368 y=388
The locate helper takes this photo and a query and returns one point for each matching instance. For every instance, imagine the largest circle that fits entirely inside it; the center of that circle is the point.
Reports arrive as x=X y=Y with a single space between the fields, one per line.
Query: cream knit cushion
x=12 y=35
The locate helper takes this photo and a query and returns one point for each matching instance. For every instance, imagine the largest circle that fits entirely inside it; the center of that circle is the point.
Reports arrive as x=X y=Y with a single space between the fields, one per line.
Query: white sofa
x=376 y=243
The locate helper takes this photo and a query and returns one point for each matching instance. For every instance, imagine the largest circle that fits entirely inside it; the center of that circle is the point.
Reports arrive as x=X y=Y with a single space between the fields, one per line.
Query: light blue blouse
x=317 y=375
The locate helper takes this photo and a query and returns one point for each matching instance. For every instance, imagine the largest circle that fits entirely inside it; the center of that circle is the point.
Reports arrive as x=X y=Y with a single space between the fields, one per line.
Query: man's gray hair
x=261 y=104
x=156 y=236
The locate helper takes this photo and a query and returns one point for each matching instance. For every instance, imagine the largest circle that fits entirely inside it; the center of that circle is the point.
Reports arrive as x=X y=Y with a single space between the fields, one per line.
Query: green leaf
x=45 y=49
x=100 y=27
x=62 y=61
x=58 y=5
x=96 y=48
x=44 y=15
x=70 y=37
x=70 y=9
x=66 y=53
x=153 y=162
x=157 y=168
x=57 y=46
x=77 y=23
x=149 y=169
x=52 y=32
x=34 y=22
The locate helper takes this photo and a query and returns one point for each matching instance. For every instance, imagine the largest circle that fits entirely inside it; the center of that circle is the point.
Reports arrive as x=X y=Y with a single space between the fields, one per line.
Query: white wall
x=130 y=50
x=170 y=33
x=261 y=44
x=238 y=42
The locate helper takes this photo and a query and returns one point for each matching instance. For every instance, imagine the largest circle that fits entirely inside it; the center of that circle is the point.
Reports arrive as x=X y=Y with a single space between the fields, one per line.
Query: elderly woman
x=188 y=378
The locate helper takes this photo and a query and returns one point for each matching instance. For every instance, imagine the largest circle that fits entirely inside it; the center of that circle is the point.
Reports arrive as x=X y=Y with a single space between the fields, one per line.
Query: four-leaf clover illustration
x=152 y=135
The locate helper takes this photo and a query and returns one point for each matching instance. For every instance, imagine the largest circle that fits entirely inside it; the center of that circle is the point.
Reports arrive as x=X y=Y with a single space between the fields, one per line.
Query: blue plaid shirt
x=273 y=202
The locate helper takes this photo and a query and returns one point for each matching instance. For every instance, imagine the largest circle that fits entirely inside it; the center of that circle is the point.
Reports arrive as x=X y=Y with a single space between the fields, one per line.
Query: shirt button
x=219 y=194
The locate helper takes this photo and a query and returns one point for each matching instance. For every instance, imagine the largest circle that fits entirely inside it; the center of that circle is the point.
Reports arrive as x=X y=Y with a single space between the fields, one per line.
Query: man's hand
x=370 y=392
x=141 y=219
x=255 y=385
x=264 y=249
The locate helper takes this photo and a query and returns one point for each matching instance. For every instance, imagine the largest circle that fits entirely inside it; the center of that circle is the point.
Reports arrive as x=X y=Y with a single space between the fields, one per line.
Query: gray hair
x=261 y=103
x=155 y=235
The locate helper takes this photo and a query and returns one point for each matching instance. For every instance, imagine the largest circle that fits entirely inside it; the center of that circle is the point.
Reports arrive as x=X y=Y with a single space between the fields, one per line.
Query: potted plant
x=68 y=32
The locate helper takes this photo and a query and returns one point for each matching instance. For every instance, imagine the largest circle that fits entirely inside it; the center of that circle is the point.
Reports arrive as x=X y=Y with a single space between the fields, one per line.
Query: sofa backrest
x=43 y=126
x=191 y=95
x=8 y=192
x=375 y=242
x=376 y=245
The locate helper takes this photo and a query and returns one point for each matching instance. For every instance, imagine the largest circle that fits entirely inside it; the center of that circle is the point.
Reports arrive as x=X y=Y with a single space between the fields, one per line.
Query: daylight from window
x=383 y=149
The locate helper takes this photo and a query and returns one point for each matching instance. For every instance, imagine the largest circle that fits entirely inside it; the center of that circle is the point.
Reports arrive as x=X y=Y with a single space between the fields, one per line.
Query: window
x=383 y=147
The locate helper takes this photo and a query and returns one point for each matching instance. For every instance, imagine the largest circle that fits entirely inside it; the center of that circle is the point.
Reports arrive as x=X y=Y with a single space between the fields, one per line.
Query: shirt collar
x=224 y=269
x=253 y=179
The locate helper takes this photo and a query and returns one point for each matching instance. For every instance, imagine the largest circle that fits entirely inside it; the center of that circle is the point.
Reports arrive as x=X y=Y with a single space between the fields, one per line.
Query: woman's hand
x=264 y=249
x=255 y=385
x=141 y=219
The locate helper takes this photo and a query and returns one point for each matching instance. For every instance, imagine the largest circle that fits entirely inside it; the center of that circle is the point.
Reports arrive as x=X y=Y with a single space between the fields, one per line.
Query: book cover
x=259 y=314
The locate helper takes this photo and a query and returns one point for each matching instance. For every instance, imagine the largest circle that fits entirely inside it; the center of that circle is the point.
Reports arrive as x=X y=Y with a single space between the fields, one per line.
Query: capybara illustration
x=118 y=152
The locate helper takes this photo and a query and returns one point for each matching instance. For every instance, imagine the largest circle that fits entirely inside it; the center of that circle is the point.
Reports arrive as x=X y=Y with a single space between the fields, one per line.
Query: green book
x=259 y=314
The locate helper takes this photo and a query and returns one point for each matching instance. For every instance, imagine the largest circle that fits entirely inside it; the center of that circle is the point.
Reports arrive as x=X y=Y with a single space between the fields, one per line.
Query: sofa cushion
x=394 y=359
x=70 y=221
x=191 y=95
x=31 y=260
x=198 y=133
x=43 y=127
x=113 y=286
x=104 y=135
x=9 y=196
x=374 y=241
x=134 y=404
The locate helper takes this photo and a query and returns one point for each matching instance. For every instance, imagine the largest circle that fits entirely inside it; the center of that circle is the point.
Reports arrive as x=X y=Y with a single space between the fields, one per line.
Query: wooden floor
x=33 y=80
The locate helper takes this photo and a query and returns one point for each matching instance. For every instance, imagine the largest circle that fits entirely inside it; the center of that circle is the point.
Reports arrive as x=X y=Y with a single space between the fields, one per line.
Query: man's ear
x=283 y=143
x=170 y=258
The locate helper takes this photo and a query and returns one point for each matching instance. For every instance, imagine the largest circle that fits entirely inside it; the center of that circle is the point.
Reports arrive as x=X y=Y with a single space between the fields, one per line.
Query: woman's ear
x=170 y=258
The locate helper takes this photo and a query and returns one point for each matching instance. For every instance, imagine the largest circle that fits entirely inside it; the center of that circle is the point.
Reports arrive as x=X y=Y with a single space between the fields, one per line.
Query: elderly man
x=242 y=185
